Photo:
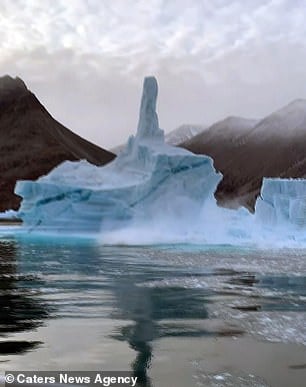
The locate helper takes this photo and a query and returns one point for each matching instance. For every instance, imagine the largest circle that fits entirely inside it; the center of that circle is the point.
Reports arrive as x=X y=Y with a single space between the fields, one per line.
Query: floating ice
x=282 y=204
x=154 y=193
x=9 y=214
x=147 y=178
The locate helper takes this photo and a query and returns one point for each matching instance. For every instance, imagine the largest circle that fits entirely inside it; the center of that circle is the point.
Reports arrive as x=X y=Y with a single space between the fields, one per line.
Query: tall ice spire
x=148 y=127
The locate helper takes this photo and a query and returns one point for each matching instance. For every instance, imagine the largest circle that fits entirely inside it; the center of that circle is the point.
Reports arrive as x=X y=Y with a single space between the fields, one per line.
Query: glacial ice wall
x=282 y=203
x=147 y=178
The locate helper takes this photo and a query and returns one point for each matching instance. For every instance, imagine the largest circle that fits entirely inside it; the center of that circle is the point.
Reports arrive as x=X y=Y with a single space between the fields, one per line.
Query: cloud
x=85 y=60
x=129 y=28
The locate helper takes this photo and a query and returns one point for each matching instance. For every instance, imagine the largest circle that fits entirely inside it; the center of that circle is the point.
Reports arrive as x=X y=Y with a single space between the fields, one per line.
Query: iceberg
x=148 y=177
x=155 y=193
x=282 y=204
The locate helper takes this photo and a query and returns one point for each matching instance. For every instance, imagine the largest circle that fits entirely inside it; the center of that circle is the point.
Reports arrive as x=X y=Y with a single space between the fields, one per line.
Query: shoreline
x=10 y=221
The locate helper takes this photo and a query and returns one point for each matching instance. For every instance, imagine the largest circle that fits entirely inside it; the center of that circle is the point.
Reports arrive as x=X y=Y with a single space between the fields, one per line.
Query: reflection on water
x=40 y=281
x=20 y=308
x=155 y=294
x=149 y=309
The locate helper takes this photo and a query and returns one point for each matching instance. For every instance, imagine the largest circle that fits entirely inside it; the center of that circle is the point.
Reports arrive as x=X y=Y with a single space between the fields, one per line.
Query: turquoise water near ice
x=78 y=305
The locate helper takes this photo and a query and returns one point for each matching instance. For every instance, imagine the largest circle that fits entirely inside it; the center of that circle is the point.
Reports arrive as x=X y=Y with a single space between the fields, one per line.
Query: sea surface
x=174 y=315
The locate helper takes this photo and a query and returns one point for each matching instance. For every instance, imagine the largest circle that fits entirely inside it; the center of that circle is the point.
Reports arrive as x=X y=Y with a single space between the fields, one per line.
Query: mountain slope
x=222 y=141
x=32 y=142
x=273 y=147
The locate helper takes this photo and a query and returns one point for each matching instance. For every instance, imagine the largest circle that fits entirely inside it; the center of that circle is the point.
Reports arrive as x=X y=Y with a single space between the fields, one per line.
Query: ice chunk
x=9 y=215
x=282 y=203
x=146 y=178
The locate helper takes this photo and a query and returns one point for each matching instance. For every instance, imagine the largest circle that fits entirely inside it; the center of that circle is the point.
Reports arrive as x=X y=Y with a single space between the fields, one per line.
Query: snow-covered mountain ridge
x=246 y=151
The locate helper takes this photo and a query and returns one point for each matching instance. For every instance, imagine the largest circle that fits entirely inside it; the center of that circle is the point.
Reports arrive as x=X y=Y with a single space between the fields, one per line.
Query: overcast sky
x=85 y=59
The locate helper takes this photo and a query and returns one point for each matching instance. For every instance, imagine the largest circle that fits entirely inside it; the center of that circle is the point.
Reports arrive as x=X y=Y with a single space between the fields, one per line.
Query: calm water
x=174 y=315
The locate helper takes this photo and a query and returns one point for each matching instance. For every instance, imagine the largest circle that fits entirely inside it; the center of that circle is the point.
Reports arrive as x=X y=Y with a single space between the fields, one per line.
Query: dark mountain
x=245 y=151
x=32 y=142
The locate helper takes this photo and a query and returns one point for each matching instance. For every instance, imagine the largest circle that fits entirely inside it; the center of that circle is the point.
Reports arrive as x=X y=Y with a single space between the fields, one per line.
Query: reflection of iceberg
x=77 y=196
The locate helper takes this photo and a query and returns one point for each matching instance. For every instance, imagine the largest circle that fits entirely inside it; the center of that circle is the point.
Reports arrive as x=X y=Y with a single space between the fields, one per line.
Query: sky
x=85 y=59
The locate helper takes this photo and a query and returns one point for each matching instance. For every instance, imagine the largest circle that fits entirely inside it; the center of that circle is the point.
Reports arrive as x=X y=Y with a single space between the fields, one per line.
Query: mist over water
x=182 y=221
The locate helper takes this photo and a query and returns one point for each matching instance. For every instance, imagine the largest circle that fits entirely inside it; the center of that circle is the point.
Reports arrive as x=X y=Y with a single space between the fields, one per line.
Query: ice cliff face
x=282 y=204
x=147 y=178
